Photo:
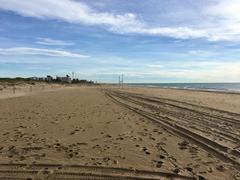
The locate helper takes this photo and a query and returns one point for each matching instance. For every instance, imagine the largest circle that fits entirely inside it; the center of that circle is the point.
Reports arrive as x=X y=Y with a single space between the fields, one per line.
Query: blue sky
x=148 y=41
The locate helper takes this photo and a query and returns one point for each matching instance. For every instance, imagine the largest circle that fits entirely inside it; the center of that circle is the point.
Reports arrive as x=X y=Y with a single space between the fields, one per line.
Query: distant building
x=38 y=78
x=49 y=78
x=42 y=79
x=65 y=79
x=34 y=78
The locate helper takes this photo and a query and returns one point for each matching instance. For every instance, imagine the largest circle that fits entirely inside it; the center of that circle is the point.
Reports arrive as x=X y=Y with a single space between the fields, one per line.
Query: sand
x=9 y=90
x=85 y=126
x=218 y=100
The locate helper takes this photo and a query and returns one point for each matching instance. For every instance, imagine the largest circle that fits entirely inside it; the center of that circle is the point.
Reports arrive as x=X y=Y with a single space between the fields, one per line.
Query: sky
x=149 y=41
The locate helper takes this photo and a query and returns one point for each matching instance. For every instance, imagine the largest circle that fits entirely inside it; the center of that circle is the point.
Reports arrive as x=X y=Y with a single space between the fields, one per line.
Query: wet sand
x=84 y=126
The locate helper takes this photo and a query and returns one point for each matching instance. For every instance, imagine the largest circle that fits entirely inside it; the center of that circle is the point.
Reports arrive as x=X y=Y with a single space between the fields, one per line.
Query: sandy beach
x=185 y=133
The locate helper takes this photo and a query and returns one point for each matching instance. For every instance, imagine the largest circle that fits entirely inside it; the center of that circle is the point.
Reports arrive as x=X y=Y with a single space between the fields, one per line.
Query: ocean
x=228 y=87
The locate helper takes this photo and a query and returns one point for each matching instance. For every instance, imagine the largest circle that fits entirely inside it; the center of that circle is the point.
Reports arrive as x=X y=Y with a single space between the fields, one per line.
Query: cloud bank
x=39 y=51
x=222 y=22
x=52 y=42
x=190 y=71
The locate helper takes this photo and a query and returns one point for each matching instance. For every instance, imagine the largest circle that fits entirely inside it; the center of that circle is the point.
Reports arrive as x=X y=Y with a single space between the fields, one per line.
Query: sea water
x=229 y=87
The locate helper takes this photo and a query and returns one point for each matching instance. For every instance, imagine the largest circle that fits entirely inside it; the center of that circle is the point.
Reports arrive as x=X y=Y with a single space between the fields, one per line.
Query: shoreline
x=187 y=89
x=217 y=100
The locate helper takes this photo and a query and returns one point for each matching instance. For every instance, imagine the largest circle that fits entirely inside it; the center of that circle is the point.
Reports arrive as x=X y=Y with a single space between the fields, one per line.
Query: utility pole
x=119 y=81
x=122 y=81
x=72 y=75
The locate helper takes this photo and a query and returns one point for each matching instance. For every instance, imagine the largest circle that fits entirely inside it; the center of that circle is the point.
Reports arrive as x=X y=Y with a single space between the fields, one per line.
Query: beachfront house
x=65 y=79
x=38 y=78
x=49 y=78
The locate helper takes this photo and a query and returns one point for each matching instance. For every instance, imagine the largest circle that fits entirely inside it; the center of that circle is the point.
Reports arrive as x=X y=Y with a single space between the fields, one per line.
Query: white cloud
x=222 y=20
x=155 y=66
x=38 y=51
x=170 y=71
x=175 y=32
x=226 y=9
x=52 y=42
x=66 y=10
x=188 y=71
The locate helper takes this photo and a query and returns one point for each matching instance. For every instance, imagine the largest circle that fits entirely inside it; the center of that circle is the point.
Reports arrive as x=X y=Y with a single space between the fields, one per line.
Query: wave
x=219 y=87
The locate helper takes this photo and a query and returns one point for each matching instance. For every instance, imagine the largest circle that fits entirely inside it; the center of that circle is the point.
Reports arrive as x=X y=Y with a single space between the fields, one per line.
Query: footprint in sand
x=94 y=139
x=97 y=146
x=193 y=150
x=201 y=178
x=72 y=133
x=75 y=131
x=210 y=170
x=164 y=139
x=159 y=164
x=120 y=138
x=176 y=170
x=152 y=138
x=237 y=176
x=189 y=169
x=220 y=168
x=6 y=133
x=183 y=145
x=108 y=136
x=145 y=150
x=196 y=166
x=70 y=155
x=162 y=157
x=82 y=143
